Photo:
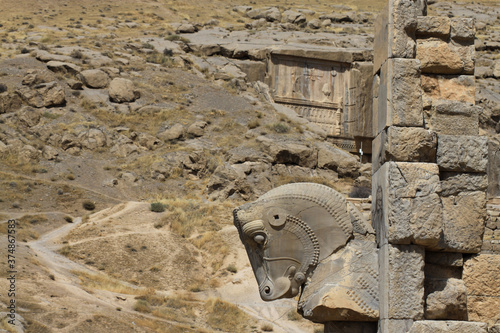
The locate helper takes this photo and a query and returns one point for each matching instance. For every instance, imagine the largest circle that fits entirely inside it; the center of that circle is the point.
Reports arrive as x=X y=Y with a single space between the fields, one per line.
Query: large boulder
x=94 y=78
x=63 y=67
x=175 y=132
x=289 y=152
x=122 y=90
x=9 y=102
x=338 y=160
x=270 y=14
x=291 y=16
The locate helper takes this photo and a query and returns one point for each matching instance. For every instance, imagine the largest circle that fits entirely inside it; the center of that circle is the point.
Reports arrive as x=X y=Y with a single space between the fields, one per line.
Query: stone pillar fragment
x=399 y=96
x=404 y=144
x=453 y=118
x=395 y=32
x=402 y=284
x=462 y=153
x=406 y=207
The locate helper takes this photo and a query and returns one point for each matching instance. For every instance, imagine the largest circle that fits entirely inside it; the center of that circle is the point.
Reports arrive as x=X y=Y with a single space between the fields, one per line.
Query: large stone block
x=463 y=29
x=395 y=32
x=395 y=325
x=462 y=153
x=463 y=222
x=440 y=326
x=404 y=144
x=452 y=183
x=344 y=287
x=449 y=87
x=453 y=118
x=433 y=26
x=400 y=96
x=481 y=275
x=401 y=282
x=406 y=206
x=446 y=299
x=439 y=57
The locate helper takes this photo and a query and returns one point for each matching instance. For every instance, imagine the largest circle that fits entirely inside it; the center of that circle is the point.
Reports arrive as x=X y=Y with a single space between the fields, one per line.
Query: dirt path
x=62 y=270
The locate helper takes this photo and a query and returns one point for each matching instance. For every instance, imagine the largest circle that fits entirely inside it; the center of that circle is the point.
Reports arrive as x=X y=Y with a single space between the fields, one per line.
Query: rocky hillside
x=129 y=132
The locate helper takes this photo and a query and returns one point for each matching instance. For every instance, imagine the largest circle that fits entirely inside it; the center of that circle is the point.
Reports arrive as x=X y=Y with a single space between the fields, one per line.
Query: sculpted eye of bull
x=287 y=232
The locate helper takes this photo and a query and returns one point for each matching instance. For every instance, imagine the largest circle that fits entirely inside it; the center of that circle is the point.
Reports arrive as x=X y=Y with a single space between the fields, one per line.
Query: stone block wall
x=437 y=237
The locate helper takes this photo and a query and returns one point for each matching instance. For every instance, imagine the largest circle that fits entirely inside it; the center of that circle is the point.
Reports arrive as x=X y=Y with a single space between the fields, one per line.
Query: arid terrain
x=130 y=130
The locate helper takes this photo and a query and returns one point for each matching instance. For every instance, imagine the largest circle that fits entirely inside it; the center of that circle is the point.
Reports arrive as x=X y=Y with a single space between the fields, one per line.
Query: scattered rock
x=49 y=153
x=93 y=138
x=270 y=14
x=9 y=102
x=197 y=128
x=338 y=160
x=186 y=28
x=75 y=84
x=242 y=9
x=94 y=78
x=294 y=17
x=122 y=90
x=43 y=94
x=283 y=152
x=173 y=133
x=63 y=67
x=315 y=24
x=148 y=141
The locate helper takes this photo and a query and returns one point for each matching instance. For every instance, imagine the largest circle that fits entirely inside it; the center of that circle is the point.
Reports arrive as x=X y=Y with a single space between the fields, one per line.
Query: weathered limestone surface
x=399 y=97
x=481 y=275
x=395 y=32
x=451 y=87
x=290 y=152
x=493 y=169
x=438 y=326
x=401 y=282
x=345 y=286
x=43 y=94
x=406 y=206
x=463 y=29
x=395 y=325
x=433 y=26
x=462 y=153
x=439 y=57
x=447 y=299
x=94 y=78
x=122 y=90
x=452 y=183
x=453 y=118
x=463 y=222
x=9 y=102
x=404 y=144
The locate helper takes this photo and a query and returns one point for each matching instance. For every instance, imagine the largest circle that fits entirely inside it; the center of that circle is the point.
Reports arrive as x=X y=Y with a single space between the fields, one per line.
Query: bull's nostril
x=267 y=290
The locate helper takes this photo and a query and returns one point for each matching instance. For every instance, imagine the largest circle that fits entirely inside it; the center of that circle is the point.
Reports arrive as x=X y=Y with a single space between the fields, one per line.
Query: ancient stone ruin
x=430 y=260
x=329 y=87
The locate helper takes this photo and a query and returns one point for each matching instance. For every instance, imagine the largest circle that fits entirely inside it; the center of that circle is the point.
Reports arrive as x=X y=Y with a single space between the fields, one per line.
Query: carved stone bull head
x=288 y=231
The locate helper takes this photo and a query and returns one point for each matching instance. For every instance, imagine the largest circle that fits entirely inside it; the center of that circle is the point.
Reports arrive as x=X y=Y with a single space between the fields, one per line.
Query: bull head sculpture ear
x=288 y=230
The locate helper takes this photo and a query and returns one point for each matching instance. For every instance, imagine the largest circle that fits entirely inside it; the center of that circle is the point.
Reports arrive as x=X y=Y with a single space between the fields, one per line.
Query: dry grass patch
x=226 y=316
x=187 y=216
x=104 y=282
